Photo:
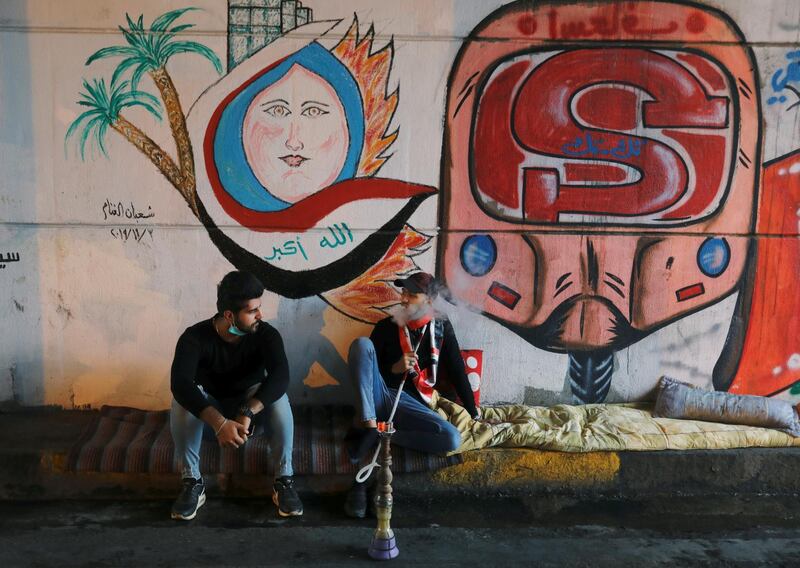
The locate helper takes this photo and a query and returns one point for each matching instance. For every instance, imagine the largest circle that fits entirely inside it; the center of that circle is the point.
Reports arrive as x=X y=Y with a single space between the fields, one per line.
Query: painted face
x=594 y=194
x=295 y=135
x=248 y=318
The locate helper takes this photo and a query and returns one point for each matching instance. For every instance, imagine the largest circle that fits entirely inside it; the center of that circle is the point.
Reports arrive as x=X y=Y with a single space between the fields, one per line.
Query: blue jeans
x=417 y=426
x=188 y=431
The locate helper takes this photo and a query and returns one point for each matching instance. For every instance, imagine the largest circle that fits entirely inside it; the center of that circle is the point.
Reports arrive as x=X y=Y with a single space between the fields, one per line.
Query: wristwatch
x=244 y=410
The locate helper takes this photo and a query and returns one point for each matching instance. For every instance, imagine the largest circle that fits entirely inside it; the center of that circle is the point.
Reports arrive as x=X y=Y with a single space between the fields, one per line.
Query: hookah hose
x=364 y=473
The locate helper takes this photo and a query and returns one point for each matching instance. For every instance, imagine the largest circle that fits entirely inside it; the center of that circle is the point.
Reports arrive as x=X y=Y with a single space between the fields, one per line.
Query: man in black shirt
x=229 y=376
x=415 y=344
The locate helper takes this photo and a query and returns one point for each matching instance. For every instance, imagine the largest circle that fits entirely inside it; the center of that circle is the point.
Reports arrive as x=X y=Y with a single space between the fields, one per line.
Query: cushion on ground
x=130 y=440
x=600 y=427
x=681 y=400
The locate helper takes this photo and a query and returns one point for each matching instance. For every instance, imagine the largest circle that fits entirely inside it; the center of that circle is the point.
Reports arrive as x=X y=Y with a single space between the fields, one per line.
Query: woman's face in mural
x=295 y=135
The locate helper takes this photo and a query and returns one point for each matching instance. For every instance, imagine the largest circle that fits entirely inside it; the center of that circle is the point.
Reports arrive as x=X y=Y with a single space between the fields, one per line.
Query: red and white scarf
x=425 y=379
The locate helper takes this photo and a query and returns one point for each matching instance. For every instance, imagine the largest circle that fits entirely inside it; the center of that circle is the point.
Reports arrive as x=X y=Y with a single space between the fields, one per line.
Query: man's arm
x=276 y=378
x=183 y=373
x=189 y=396
x=451 y=358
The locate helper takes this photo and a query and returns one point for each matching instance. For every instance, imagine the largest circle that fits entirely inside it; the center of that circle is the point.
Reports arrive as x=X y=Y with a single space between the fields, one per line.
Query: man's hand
x=244 y=421
x=405 y=363
x=232 y=434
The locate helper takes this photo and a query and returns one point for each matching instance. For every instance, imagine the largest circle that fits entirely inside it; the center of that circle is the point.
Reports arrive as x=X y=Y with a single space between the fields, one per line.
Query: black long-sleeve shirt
x=227 y=370
x=385 y=337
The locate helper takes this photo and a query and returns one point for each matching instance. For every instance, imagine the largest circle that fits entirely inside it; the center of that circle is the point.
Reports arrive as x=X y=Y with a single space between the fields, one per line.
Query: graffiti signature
x=782 y=78
x=128 y=211
x=588 y=146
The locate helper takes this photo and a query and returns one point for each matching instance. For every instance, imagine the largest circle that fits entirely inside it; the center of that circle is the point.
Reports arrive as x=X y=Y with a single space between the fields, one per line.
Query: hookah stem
x=364 y=473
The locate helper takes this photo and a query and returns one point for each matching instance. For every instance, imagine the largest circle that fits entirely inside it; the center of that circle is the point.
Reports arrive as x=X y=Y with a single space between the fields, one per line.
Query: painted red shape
x=581 y=172
x=773 y=325
x=690 y=292
x=504 y=295
x=696 y=23
x=709 y=170
x=527 y=24
x=679 y=100
x=609 y=107
x=494 y=143
x=706 y=71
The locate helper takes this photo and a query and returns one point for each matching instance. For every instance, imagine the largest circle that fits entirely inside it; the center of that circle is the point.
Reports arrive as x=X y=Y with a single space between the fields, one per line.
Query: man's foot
x=355 y=504
x=285 y=497
x=192 y=497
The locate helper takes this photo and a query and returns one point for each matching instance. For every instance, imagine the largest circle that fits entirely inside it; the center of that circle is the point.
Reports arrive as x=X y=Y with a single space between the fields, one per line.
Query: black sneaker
x=192 y=497
x=285 y=497
x=355 y=504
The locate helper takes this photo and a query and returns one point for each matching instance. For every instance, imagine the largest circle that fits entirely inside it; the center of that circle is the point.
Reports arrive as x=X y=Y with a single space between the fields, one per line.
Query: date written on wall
x=127 y=211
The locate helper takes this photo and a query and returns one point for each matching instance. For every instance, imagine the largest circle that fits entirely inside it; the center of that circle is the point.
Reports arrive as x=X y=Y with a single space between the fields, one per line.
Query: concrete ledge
x=34 y=446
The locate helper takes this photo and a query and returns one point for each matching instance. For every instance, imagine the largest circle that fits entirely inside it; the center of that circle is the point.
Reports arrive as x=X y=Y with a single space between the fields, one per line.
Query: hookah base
x=383 y=548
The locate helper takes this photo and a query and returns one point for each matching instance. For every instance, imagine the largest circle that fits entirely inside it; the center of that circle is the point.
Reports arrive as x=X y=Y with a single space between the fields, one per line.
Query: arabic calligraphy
x=8 y=258
x=126 y=211
x=600 y=25
x=589 y=146
x=338 y=235
x=782 y=78
x=289 y=248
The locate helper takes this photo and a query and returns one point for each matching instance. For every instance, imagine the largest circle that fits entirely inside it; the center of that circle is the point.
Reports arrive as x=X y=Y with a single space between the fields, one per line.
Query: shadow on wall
x=22 y=372
x=314 y=361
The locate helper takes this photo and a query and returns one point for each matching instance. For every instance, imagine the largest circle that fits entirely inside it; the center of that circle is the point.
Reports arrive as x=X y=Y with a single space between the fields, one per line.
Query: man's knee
x=360 y=346
x=454 y=438
x=449 y=437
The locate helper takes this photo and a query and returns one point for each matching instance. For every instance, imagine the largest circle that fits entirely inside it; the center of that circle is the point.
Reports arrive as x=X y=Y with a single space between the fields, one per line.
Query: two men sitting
x=230 y=376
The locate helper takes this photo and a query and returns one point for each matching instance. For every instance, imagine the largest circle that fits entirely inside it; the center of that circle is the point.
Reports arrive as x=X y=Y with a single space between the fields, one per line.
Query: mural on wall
x=286 y=146
x=601 y=176
x=601 y=173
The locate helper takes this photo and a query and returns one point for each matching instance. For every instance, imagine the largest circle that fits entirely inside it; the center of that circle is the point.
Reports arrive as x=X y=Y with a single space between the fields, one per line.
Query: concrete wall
x=610 y=190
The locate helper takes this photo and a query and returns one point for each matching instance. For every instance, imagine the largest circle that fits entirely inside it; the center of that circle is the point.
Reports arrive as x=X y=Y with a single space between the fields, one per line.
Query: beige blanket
x=598 y=427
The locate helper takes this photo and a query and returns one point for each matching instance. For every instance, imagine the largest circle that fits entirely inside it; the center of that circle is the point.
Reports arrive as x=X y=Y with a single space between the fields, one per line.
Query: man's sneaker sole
x=178 y=517
x=281 y=513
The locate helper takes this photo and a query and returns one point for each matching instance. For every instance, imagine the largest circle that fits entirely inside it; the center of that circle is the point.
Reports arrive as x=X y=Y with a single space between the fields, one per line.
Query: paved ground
x=540 y=531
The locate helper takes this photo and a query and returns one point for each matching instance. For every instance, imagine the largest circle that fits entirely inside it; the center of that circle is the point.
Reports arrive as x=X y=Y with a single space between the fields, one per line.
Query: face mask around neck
x=232 y=329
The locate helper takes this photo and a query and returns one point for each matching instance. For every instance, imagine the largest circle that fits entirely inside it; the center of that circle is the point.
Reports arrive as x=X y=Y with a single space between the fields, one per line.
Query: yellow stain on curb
x=510 y=467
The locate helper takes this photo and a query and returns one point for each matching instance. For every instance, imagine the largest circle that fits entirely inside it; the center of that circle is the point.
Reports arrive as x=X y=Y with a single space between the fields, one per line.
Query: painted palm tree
x=147 y=52
x=104 y=105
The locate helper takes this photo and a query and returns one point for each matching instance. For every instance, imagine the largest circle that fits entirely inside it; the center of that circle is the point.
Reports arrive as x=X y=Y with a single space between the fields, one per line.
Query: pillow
x=473 y=365
x=679 y=400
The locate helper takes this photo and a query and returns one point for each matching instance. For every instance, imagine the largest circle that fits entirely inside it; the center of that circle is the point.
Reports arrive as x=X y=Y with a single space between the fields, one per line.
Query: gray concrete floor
x=532 y=531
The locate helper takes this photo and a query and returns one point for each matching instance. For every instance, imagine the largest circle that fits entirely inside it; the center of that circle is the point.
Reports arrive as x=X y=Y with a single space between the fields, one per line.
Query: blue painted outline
x=235 y=174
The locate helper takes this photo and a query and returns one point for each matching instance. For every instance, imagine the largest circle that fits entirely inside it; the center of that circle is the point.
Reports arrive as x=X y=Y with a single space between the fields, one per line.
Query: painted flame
x=365 y=298
x=371 y=72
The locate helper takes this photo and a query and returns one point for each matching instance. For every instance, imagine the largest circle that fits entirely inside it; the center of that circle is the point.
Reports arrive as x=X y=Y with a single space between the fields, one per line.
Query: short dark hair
x=236 y=289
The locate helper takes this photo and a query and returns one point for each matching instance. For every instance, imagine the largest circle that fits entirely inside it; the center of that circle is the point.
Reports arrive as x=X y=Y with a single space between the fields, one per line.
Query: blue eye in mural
x=478 y=254
x=713 y=256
